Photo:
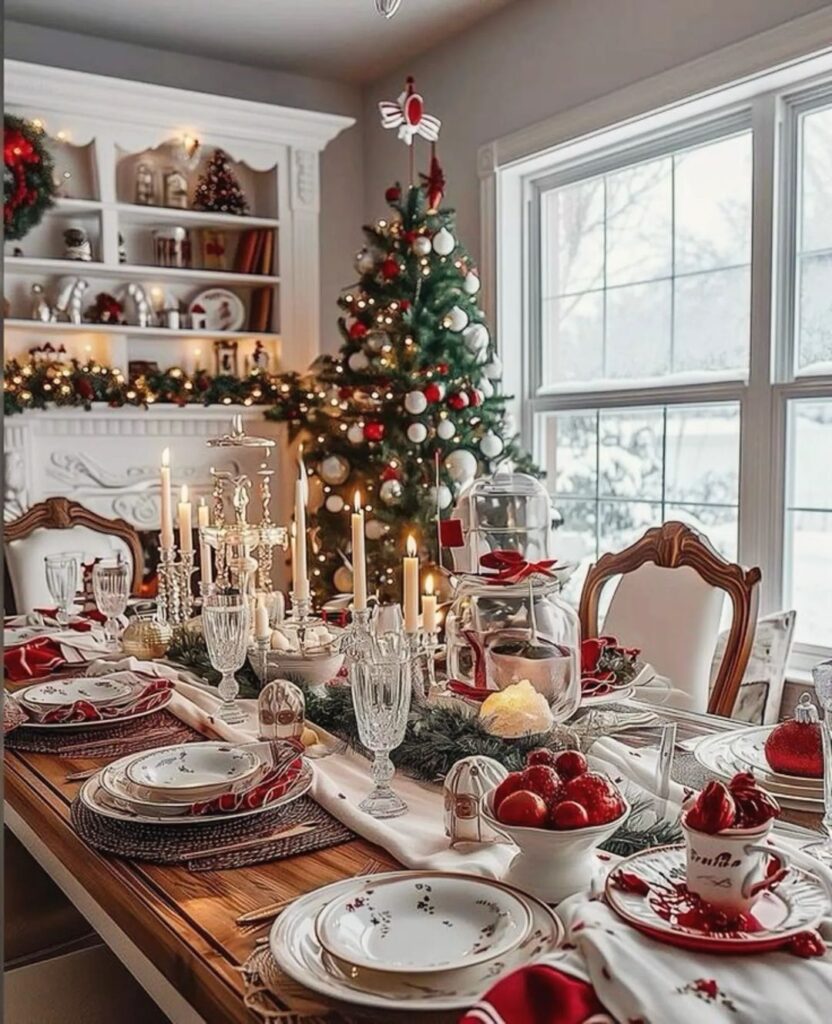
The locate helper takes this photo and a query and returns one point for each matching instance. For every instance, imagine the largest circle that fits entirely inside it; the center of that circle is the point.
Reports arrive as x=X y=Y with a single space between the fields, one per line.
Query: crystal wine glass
x=822 y=677
x=381 y=697
x=111 y=588
x=226 y=620
x=62 y=581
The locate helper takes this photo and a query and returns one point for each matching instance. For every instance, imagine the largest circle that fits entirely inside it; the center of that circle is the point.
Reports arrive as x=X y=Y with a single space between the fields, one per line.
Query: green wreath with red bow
x=28 y=185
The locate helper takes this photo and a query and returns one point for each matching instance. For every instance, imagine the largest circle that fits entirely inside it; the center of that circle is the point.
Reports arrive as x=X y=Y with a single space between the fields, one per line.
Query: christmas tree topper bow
x=408 y=115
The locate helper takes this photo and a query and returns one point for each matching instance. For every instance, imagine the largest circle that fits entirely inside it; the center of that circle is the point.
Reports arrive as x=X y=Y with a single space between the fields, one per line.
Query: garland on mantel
x=74 y=384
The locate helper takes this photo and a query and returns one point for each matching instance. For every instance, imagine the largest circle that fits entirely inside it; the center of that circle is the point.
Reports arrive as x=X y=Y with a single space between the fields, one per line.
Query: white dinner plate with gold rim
x=421 y=923
x=715 y=755
x=96 y=799
x=96 y=723
x=297 y=952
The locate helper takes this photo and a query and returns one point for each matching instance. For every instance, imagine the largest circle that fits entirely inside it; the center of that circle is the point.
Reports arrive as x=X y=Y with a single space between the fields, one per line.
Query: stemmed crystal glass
x=381 y=697
x=822 y=677
x=62 y=581
x=111 y=588
x=226 y=621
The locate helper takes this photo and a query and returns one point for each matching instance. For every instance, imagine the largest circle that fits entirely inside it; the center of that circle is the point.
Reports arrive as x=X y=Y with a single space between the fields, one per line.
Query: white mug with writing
x=728 y=869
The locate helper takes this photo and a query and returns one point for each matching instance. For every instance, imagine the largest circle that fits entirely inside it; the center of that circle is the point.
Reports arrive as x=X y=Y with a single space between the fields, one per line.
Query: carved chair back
x=678 y=608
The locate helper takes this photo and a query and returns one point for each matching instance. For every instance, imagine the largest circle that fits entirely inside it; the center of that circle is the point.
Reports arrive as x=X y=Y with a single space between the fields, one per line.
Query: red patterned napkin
x=82 y=622
x=36 y=657
x=151 y=696
x=538 y=995
x=275 y=784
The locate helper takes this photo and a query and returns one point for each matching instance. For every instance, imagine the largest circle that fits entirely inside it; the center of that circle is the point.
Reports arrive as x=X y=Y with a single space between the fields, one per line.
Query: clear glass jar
x=497 y=635
x=509 y=511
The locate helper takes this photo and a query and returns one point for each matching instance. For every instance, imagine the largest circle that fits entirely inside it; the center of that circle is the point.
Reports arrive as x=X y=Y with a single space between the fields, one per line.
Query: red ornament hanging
x=357 y=330
x=404 y=305
x=434 y=392
x=373 y=430
x=795 y=747
x=475 y=396
x=442 y=368
x=390 y=268
x=393 y=194
x=391 y=473
x=458 y=401
x=434 y=182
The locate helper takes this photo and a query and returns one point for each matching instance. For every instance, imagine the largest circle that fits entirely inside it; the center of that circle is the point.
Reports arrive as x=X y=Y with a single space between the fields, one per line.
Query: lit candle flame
x=356 y=500
x=412 y=547
x=166 y=457
x=429 y=584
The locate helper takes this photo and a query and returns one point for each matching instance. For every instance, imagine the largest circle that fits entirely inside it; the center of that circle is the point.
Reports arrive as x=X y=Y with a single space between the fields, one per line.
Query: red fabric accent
x=450 y=533
x=537 y=995
x=37 y=657
x=272 y=786
x=154 y=694
x=477 y=693
x=512 y=567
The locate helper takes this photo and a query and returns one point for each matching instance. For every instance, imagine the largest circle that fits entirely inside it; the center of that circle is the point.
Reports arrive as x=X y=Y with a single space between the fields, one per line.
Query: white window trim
x=755 y=76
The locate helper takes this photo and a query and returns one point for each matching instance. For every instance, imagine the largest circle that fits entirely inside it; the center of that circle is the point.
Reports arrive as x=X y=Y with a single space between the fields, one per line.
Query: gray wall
x=342 y=170
x=536 y=58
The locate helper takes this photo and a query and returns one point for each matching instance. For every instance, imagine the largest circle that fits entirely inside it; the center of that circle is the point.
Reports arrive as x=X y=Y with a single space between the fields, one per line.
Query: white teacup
x=727 y=869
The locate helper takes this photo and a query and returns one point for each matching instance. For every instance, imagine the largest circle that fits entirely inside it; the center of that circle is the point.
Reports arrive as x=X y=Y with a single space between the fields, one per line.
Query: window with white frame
x=678 y=340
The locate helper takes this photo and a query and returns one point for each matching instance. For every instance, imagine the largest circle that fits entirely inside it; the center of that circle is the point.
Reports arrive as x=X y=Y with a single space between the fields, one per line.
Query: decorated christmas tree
x=409 y=412
x=218 y=189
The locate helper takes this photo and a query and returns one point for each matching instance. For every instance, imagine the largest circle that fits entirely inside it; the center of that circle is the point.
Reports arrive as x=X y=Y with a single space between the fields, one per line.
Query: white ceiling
x=335 y=39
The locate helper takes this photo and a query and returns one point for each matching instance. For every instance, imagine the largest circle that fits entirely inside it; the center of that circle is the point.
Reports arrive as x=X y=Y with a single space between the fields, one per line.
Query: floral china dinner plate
x=422 y=922
x=97 y=799
x=97 y=690
x=194 y=770
x=663 y=909
x=102 y=722
x=297 y=951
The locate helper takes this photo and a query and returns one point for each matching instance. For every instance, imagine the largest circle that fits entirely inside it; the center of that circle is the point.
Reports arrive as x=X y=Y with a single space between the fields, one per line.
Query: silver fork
x=664 y=764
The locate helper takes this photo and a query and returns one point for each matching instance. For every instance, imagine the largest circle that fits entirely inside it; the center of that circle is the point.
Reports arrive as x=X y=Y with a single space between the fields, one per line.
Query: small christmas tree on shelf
x=413 y=394
x=218 y=190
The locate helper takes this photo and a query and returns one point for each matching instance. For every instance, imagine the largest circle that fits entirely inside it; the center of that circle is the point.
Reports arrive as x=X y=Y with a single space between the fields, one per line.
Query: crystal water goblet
x=381 y=698
x=822 y=678
x=111 y=589
x=226 y=621
x=62 y=580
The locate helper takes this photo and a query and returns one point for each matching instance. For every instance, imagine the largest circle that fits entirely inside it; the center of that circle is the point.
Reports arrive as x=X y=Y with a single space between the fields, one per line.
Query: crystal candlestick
x=186 y=571
x=301 y=608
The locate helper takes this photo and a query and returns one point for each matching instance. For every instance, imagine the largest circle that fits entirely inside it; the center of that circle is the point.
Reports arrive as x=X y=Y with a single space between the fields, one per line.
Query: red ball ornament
x=390 y=473
x=84 y=389
x=458 y=401
x=404 y=305
x=475 y=396
x=390 y=269
x=523 y=808
x=357 y=330
x=434 y=392
x=373 y=431
x=393 y=194
x=408 y=236
x=442 y=368
x=795 y=747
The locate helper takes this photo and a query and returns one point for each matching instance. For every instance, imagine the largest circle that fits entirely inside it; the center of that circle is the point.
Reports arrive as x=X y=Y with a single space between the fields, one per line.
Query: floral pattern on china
x=95 y=690
x=193 y=766
x=422 y=923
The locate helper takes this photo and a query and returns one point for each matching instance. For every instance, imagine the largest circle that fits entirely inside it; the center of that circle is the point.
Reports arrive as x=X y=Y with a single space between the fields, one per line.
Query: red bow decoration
x=512 y=567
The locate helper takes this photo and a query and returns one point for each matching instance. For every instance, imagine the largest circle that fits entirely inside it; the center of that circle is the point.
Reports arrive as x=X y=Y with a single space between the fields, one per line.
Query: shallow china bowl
x=422 y=923
x=309 y=670
x=552 y=864
x=98 y=690
x=194 y=770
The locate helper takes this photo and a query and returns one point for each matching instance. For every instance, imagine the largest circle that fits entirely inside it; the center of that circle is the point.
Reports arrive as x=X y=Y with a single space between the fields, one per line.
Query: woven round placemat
x=157 y=730
x=176 y=844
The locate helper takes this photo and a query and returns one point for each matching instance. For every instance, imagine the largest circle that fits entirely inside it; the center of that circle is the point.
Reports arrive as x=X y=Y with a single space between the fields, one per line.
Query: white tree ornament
x=457 y=319
x=444 y=242
x=446 y=429
x=476 y=338
x=417 y=433
x=471 y=284
x=461 y=465
x=491 y=445
x=415 y=402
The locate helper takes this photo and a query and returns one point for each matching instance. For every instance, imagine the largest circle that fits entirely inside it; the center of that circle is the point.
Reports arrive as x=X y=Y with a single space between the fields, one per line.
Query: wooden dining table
x=179 y=932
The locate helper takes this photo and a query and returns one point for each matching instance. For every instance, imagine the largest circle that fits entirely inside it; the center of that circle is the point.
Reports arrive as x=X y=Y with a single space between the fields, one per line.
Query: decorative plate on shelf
x=299 y=953
x=798 y=904
x=425 y=922
x=217 y=309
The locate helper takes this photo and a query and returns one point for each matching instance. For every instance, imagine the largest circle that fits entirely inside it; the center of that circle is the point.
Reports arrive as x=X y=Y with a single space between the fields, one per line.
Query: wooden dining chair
x=55 y=525
x=668 y=603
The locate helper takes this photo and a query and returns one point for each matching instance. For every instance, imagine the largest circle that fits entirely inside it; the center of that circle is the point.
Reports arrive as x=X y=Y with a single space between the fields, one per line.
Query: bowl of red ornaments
x=728 y=863
x=556 y=811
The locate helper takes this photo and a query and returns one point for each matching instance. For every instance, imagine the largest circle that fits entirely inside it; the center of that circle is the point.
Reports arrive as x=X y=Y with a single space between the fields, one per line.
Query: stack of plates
x=742 y=750
x=102 y=692
x=427 y=940
x=162 y=786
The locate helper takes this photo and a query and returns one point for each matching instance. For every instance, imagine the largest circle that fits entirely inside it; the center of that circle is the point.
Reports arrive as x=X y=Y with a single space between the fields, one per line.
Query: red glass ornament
x=404 y=305
x=390 y=473
x=475 y=396
x=458 y=401
x=373 y=431
x=357 y=330
x=390 y=269
x=393 y=194
x=442 y=368
x=795 y=747
x=434 y=392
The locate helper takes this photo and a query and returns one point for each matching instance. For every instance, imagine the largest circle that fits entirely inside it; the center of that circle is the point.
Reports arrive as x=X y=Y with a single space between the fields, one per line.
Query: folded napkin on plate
x=31 y=659
x=147 y=697
x=539 y=995
x=269 y=788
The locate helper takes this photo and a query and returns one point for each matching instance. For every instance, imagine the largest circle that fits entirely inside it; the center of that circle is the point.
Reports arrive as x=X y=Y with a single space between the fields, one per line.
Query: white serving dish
x=100 y=691
x=422 y=923
x=552 y=864
x=192 y=771
x=297 y=952
x=307 y=670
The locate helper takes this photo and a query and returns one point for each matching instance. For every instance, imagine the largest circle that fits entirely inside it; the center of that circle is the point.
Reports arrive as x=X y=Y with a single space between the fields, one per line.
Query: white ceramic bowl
x=552 y=864
x=308 y=671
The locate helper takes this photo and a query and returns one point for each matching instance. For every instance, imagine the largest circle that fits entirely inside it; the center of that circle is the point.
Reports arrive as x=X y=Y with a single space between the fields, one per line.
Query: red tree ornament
x=458 y=401
x=391 y=473
x=434 y=392
x=407 y=114
x=475 y=396
x=393 y=194
x=357 y=330
x=390 y=269
x=434 y=182
x=795 y=747
x=373 y=430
